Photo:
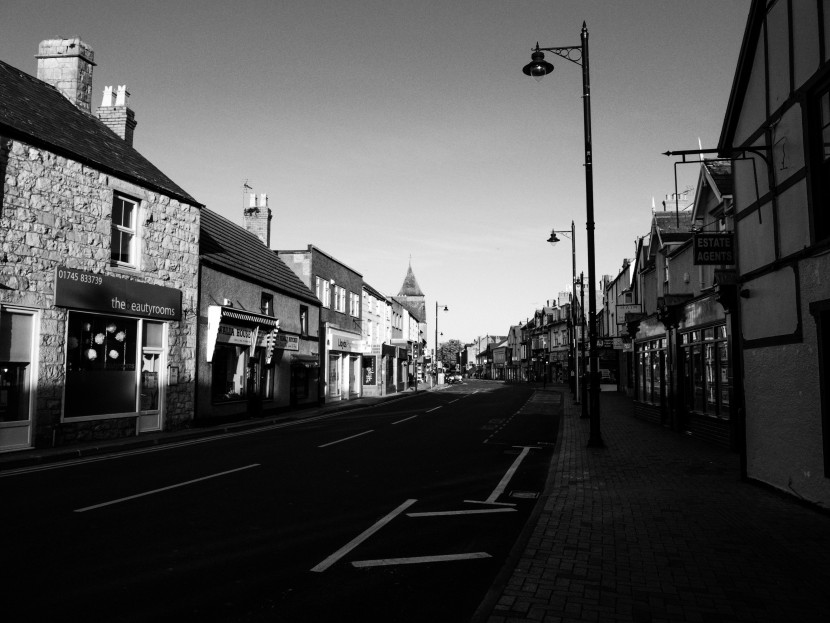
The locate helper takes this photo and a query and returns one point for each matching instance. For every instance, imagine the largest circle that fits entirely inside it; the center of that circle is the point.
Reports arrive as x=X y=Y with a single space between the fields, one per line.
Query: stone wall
x=57 y=212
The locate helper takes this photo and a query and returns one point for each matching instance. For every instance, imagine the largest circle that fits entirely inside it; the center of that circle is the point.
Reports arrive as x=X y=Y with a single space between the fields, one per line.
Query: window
x=303 y=320
x=324 y=292
x=101 y=354
x=15 y=365
x=705 y=358
x=124 y=213
x=354 y=305
x=340 y=299
x=266 y=304
x=821 y=174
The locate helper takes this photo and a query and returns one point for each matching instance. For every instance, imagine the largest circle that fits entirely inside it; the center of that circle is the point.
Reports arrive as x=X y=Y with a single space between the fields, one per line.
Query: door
x=152 y=381
x=16 y=378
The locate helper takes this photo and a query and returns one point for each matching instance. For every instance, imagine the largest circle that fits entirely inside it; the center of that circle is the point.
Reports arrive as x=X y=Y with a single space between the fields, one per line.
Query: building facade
x=99 y=266
x=259 y=346
x=340 y=292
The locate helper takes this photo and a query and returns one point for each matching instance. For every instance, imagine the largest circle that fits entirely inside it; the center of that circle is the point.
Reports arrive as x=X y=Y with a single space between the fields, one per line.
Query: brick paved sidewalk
x=658 y=526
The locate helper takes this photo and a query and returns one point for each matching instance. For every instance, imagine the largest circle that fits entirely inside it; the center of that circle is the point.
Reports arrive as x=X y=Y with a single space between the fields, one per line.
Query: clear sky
x=388 y=129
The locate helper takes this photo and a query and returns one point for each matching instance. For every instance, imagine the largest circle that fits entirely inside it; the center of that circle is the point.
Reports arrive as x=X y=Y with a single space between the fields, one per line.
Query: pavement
x=658 y=526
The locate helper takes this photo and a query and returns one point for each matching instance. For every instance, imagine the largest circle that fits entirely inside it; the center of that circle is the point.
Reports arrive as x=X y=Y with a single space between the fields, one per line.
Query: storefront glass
x=100 y=365
x=705 y=358
x=651 y=371
x=229 y=373
x=15 y=365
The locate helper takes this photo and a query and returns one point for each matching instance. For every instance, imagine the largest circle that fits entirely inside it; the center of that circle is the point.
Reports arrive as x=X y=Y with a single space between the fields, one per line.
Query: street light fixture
x=538 y=68
x=553 y=240
x=435 y=362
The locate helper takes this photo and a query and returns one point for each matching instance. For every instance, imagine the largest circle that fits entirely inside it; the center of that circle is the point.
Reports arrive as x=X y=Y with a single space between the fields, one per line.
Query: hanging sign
x=713 y=249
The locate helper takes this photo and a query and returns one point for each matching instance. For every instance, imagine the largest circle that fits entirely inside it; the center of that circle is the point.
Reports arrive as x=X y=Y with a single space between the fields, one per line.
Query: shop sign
x=712 y=249
x=229 y=334
x=287 y=342
x=369 y=363
x=80 y=289
x=338 y=341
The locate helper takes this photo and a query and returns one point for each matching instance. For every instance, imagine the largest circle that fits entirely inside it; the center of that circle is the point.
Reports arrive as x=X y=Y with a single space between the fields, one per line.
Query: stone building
x=98 y=266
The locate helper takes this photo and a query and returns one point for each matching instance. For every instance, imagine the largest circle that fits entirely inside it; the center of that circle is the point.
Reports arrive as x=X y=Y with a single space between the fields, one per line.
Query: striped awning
x=246 y=316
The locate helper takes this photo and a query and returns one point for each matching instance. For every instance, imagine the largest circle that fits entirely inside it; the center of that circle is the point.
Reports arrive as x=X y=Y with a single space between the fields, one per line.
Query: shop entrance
x=151 y=379
x=16 y=336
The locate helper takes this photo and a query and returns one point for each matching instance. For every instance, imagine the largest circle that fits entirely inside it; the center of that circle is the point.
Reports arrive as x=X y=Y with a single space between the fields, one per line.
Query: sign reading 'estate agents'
x=717 y=249
x=80 y=289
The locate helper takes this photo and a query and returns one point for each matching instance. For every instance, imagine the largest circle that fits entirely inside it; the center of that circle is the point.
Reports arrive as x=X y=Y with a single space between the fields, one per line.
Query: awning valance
x=245 y=316
x=222 y=319
x=309 y=361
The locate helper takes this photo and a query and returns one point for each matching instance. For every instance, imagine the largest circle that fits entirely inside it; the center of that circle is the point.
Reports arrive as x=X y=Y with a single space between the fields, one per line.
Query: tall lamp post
x=553 y=240
x=435 y=362
x=538 y=68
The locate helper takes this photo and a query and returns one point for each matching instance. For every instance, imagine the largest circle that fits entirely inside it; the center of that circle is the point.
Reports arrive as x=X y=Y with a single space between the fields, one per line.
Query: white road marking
x=328 y=562
x=405 y=419
x=466 y=512
x=382 y=562
x=161 y=447
x=435 y=409
x=176 y=486
x=486 y=502
x=456 y=400
x=331 y=443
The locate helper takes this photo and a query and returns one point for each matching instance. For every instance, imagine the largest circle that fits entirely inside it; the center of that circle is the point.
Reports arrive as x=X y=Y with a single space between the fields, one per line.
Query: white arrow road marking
x=328 y=562
x=181 y=484
x=382 y=562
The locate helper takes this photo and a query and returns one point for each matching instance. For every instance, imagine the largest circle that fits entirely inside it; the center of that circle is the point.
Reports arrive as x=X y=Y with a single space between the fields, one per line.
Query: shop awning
x=251 y=336
x=309 y=361
x=236 y=314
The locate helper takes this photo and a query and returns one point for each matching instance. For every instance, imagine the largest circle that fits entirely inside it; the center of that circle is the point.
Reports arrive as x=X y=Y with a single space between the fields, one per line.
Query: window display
x=100 y=365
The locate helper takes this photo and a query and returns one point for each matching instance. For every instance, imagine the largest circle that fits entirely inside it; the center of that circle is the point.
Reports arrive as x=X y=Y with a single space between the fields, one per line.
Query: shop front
x=241 y=349
x=651 y=378
x=18 y=372
x=117 y=364
x=343 y=365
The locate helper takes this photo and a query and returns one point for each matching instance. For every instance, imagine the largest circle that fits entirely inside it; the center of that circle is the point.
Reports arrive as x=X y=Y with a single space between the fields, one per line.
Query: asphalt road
x=405 y=511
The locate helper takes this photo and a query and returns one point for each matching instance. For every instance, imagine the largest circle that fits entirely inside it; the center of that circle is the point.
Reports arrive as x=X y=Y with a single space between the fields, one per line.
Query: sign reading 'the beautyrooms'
x=80 y=289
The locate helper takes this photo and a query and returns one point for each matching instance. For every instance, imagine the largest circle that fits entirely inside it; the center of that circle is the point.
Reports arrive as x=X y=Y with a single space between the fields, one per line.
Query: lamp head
x=446 y=308
x=553 y=238
x=538 y=67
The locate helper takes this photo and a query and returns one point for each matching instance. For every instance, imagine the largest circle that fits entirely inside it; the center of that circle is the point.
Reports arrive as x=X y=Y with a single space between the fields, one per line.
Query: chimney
x=67 y=65
x=118 y=117
x=257 y=218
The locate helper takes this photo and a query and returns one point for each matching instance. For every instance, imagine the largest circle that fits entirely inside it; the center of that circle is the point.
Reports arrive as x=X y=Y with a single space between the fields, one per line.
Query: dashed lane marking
x=481 y=511
x=331 y=443
x=406 y=419
x=176 y=486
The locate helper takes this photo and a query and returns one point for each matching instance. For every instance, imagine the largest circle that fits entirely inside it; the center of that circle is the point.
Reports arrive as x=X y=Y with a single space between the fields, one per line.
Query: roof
x=374 y=292
x=410 y=285
x=720 y=172
x=230 y=247
x=37 y=113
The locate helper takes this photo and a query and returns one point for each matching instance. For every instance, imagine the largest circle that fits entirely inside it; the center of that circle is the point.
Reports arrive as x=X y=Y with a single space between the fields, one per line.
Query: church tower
x=412 y=297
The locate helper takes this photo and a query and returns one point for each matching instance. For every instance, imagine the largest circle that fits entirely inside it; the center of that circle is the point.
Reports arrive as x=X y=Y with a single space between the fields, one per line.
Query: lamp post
x=538 y=68
x=435 y=358
x=553 y=240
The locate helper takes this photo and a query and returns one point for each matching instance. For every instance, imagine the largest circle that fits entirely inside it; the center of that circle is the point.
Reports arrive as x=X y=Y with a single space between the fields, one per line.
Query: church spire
x=410 y=285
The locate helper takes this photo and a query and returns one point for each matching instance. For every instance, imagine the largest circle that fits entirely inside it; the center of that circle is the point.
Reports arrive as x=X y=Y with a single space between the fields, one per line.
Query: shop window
x=821 y=313
x=15 y=365
x=705 y=361
x=100 y=365
x=228 y=373
x=820 y=204
x=123 y=228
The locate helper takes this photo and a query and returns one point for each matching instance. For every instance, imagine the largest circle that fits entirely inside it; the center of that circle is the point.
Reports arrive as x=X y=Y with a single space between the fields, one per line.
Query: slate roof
x=37 y=113
x=230 y=247
x=410 y=285
x=721 y=174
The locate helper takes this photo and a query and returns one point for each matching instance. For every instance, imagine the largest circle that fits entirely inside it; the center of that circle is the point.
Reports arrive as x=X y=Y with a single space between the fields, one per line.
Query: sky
x=391 y=133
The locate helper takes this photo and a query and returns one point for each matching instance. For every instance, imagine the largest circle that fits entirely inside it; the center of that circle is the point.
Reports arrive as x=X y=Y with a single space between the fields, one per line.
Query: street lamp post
x=538 y=68
x=553 y=240
x=435 y=358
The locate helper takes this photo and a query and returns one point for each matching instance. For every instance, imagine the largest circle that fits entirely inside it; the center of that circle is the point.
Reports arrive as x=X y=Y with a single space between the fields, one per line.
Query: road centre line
x=176 y=486
x=382 y=562
x=435 y=409
x=328 y=562
x=331 y=443
x=406 y=419
x=452 y=401
x=481 y=511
